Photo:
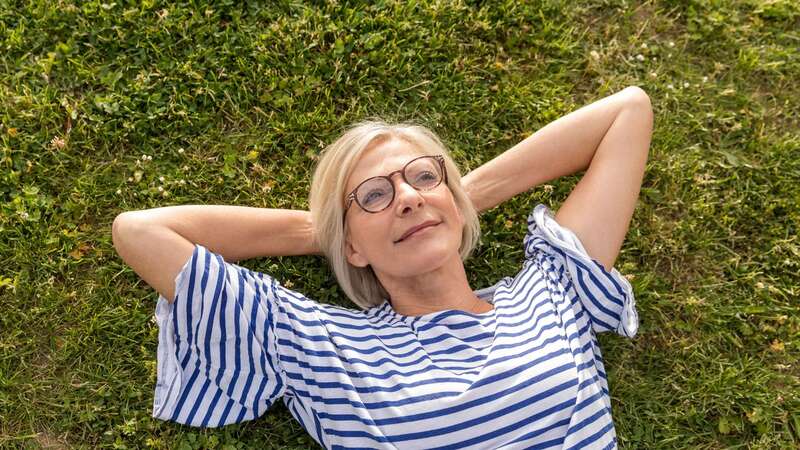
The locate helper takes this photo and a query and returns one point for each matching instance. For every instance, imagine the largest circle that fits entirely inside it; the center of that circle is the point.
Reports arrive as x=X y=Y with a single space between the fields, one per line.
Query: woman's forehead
x=383 y=158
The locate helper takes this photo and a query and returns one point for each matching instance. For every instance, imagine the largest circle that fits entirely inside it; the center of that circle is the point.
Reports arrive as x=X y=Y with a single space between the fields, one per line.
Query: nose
x=406 y=197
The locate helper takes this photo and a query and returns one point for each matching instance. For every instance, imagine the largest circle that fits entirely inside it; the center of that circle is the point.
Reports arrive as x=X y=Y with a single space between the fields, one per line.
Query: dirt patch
x=49 y=441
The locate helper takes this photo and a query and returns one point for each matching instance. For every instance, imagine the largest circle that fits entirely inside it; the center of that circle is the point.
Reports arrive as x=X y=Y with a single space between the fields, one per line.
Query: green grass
x=252 y=92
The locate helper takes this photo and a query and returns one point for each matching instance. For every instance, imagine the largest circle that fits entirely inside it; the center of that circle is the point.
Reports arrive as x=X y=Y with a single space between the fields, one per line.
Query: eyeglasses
x=375 y=194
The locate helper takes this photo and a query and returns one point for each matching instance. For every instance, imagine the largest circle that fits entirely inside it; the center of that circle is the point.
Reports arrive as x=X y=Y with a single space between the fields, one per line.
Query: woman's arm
x=157 y=242
x=612 y=138
x=562 y=147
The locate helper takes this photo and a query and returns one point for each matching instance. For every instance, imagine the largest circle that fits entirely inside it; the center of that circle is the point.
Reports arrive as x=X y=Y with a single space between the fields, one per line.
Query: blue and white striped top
x=528 y=374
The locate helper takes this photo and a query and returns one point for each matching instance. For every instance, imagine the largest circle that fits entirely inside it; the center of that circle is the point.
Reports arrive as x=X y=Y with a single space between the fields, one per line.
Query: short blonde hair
x=327 y=197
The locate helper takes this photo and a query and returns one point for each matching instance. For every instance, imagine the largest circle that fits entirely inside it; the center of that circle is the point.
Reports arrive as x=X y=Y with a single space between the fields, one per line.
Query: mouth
x=416 y=230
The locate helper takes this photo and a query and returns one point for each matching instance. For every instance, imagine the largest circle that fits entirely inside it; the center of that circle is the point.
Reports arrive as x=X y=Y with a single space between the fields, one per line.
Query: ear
x=353 y=257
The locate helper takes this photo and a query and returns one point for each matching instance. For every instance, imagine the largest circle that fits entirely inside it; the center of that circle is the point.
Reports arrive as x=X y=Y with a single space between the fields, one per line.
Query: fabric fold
x=606 y=296
x=213 y=365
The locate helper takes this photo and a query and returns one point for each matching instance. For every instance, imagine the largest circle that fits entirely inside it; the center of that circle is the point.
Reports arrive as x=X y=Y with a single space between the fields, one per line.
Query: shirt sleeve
x=217 y=354
x=606 y=296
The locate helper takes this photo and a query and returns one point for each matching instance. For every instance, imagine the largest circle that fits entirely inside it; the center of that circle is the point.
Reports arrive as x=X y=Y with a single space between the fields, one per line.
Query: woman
x=426 y=362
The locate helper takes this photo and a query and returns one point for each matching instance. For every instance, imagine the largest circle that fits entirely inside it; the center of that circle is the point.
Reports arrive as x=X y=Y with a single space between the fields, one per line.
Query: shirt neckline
x=437 y=315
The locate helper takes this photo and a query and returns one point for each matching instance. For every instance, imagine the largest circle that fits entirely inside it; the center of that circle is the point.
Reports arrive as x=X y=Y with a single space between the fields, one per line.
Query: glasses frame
x=351 y=197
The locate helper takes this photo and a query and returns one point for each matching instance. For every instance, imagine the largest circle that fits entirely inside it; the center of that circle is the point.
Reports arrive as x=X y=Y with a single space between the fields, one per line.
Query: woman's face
x=373 y=238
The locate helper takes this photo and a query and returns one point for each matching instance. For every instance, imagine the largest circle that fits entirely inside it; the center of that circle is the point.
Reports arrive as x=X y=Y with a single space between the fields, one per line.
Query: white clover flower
x=180 y=150
x=669 y=86
x=58 y=142
x=165 y=194
x=705 y=79
x=644 y=45
x=671 y=44
x=161 y=179
x=24 y=215
x=160 y=189
x=182 y=182
x=640 y=57
x=149 y=158
x=144 y=157
x=130 y=179
x=685 y=85
x=594 y=54
x=653 y=75
x=185 y=168
x=119 y=191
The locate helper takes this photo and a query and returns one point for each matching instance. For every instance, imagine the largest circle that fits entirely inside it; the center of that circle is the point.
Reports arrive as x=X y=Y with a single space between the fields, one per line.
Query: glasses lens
x=375 y=194
x=424 y=173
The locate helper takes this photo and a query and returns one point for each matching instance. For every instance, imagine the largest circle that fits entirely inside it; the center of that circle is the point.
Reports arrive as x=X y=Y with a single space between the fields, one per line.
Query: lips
x=414 y=229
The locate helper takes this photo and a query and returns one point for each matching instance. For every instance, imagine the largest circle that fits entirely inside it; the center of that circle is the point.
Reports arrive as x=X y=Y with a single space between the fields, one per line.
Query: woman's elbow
x=639 y=98
x=638 y=102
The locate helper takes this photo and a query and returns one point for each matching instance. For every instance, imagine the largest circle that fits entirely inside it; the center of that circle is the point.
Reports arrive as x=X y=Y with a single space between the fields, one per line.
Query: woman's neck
x=441 y=289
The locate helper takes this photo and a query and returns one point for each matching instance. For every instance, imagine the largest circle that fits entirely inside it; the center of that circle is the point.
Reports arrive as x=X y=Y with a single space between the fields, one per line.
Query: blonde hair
x=326 y=201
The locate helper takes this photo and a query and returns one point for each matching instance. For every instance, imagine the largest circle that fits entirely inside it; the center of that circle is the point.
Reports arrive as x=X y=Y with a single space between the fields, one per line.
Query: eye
x=426 y=176
x=425 y=179
x=373 y=196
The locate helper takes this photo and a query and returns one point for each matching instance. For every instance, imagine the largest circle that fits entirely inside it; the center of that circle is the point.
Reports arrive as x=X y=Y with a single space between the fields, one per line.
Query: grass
x=233 y=103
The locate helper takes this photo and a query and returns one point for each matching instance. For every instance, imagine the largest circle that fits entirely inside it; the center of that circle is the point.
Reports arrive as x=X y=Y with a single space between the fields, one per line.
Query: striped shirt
x=527 y=374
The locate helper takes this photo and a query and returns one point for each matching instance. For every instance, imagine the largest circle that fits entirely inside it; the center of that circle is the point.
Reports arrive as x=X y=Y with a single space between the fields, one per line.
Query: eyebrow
x=401 y=166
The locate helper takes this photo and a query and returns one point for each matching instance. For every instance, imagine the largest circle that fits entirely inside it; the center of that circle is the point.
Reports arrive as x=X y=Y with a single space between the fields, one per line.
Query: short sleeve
x=606 y=296
x=217 y=355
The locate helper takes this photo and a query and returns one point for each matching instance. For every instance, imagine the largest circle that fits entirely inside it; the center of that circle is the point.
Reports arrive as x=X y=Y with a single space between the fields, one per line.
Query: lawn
x=113 y=106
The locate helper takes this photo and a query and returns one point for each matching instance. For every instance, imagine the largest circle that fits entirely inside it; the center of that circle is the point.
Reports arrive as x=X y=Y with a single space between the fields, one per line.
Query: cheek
x=372 y=233
x=456 y=211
